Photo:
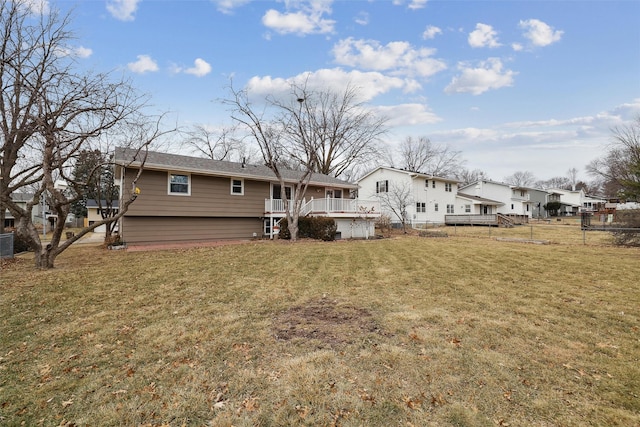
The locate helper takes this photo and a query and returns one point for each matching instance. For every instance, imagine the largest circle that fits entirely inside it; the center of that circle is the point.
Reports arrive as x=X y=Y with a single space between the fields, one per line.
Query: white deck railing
x=328 y=206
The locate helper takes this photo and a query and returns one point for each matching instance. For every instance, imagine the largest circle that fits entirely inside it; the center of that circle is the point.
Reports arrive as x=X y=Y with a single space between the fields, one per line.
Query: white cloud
x=76 y=52
x=37 y=7
x=227 y=6
x=200 y=68
x=547 y=147
x=399 y=58
x=143 y=65
x=488 y=75
x=407 y=114
x=368 y=84
x=123 y=10
x=362 y=18
x=417 y=4
x=82 y=52
x=308 y=20
x=483 y=36
x=539 y=33
x=517 y=47
x=413 y=4
x=431 y=32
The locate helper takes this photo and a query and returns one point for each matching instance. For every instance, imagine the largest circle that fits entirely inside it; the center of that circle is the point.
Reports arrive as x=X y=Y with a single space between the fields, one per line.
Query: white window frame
x=241 y=193
x=421 y=207
x=451 y=209
x=447 y=187
x=467 y=208
x=172 y=193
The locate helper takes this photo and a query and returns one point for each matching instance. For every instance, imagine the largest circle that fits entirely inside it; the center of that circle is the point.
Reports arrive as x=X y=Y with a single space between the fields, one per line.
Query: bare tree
x=310 y=132
x=560 y=182
x=421 y=155
x=521 y=179
x=49 y=113
x=283 y=138
x=217 y=143
x=346 y=133
x=619 y=169
x=466 y=176
x=396 y=199
x=572 y=175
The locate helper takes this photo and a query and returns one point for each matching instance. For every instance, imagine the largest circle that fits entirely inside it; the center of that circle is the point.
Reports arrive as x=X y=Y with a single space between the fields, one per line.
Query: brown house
x=190 y=199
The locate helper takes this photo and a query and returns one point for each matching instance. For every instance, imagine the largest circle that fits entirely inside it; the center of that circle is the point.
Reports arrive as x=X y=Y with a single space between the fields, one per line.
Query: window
x=237 y=187
x=467 y=208
x=450 y=209
x=426 y=183
x=421 y=207
x=447 y=187
x=382 y=186
x=435 y=207
x=433 y=184
x=277 y=194
x=179 y=184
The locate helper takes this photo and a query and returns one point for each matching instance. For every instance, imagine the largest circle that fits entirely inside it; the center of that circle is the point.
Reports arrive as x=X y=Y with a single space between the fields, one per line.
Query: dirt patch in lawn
x=325 y=323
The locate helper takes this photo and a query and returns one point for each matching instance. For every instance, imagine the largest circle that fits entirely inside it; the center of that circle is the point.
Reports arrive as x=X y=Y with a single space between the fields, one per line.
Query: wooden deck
x=494 y=220
x=488 y=219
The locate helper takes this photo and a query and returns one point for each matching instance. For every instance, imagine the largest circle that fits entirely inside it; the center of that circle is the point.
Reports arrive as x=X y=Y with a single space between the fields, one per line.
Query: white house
x=476 y=205
x=499 y=198
x=575 y=201
x=427 y=198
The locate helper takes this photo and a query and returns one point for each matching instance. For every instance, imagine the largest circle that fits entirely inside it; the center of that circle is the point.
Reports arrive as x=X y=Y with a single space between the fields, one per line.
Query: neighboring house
x=21 y=199
x=186 y=198
x=538 y=199
x=94 y=213
x=476 y=205
x=429 y=198
x=514 y=200
x=575 y=202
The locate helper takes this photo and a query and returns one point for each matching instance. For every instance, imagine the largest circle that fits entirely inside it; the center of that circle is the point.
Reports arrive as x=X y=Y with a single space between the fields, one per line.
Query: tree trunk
x=45 y=257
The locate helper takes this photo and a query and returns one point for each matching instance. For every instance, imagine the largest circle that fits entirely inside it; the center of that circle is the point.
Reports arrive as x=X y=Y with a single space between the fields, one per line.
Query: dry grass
x=406 y=331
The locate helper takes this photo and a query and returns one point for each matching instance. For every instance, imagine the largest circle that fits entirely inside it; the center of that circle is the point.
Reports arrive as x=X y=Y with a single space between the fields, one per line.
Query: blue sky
x=513 y=85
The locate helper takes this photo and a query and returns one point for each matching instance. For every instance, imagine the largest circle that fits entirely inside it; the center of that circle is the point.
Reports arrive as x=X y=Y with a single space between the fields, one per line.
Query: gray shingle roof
x=479 y=199
x=198 y=165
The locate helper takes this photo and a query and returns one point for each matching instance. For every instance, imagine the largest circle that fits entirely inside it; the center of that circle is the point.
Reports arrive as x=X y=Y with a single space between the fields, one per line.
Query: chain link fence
x=6 y=245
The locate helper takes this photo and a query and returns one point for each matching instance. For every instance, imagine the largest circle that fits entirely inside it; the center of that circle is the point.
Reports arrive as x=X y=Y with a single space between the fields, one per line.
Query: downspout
x=121 y=198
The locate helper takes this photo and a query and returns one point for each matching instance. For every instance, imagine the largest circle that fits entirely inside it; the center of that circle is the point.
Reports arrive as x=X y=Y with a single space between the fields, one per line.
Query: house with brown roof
x=190 y=199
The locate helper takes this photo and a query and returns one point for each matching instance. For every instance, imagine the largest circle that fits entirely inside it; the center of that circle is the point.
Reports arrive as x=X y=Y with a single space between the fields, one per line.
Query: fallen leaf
x=67 y=403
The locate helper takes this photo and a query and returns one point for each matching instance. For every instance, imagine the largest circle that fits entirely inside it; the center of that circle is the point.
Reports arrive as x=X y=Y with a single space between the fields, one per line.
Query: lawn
x=407 y=331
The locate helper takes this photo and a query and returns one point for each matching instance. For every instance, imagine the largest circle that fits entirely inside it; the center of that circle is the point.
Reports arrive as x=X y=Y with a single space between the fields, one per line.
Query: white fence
x=328 y=206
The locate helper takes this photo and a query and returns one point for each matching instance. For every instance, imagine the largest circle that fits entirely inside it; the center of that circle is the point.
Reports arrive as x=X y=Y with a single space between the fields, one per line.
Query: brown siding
x=210 y=196
x=140 y=230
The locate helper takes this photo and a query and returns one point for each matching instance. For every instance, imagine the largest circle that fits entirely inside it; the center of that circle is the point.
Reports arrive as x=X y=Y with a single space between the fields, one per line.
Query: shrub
x=553 y=208
x=384 y=223
x=320 y=228
x=20 y=245
x=629 y=220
